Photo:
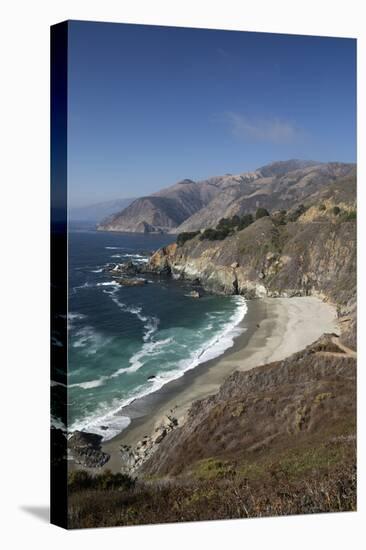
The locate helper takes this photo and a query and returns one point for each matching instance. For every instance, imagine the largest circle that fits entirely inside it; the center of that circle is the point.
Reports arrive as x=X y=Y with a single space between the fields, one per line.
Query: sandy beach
x=273 y=329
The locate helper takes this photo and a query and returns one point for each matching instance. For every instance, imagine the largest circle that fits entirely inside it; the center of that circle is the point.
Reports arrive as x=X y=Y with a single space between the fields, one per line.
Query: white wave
x=109 y=283
x=151 y=327
x=150 y=323
x=97 y=270
x=88 y=339
x=72 y=317
x=116 y=256
x=138 y=258
x=85 y=285
x=138 y=360
x=112 y=247
x=110 y=415
x=57 y=423
x=56 y=342
x=106 y=416
x=88 y=385
x=55 y=383
x=210 y=350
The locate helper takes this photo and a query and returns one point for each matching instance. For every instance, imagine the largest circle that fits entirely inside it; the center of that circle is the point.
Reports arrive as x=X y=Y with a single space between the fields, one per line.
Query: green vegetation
x=228 y=497
x=322 y=207
x=279 y=218
x=227 y=227
x=211 y=468
x=213 y=235
x=295 y=214
x=245 y=221
x=336 y=210
x=186 y=236
x=261 y=213
x=350 y=216
x=80 y=480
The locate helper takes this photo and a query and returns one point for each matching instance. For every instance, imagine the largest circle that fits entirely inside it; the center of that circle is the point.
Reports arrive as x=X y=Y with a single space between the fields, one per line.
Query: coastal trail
x=342 y=350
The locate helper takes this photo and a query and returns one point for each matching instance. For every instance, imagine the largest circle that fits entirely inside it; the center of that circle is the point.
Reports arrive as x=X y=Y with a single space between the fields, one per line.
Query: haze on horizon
x=149 y=106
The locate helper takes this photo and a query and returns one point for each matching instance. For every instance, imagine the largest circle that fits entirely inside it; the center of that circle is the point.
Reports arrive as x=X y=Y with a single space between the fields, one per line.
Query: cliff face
x=298 y=259
x=314 y=255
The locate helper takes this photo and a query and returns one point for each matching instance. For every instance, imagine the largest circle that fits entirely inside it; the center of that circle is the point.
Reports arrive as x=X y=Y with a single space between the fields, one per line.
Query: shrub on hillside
x=80 y=480
x=186 y=236
x=213 y=234
x=295 y=214
x=349 y=216
x=245 y=221
x=261 y=213
x=279 y=217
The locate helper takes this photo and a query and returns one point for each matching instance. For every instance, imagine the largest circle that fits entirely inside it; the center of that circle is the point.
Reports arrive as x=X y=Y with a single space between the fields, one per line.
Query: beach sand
x=274 y=328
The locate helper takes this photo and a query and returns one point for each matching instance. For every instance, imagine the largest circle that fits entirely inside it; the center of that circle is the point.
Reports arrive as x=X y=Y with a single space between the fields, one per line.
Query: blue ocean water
x=119 y=337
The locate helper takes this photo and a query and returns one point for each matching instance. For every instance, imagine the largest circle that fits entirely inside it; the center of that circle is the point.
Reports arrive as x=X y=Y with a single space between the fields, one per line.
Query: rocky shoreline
x=133 y=457
x=85 y=449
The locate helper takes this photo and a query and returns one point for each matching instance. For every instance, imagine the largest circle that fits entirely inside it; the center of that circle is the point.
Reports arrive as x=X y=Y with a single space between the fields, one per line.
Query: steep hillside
x=298 y=413
x=278 y=185
x=162 y=211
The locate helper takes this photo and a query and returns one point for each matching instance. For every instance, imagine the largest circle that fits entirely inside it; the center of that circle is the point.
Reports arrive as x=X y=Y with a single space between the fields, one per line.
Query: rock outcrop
x=134 y=457
x=85 y=449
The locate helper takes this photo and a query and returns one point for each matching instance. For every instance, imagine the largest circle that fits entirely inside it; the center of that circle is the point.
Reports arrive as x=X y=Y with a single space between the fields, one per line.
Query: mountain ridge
x=193 y=206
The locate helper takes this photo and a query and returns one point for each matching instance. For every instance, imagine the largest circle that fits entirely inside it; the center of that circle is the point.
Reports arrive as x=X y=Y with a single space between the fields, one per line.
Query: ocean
x=126 y=342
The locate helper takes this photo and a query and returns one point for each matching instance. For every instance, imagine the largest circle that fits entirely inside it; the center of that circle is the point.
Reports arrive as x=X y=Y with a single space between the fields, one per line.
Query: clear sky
x=149 y=106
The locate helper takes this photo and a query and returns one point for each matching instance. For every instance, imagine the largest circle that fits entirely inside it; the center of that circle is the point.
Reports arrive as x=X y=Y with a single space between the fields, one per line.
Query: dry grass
x=230 y=497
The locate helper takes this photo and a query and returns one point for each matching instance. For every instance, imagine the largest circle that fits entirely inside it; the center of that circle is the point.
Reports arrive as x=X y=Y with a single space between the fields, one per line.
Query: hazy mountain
x=191 y=206
x=97 y=212
x=163 y=211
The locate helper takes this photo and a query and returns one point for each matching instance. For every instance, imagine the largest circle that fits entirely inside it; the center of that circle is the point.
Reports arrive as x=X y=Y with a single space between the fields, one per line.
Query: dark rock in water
x=151 y=377
x=85 y=449
x=132 y=282
x=125 y=268
x=194 y=294
x=80 y=440
x=104 y=427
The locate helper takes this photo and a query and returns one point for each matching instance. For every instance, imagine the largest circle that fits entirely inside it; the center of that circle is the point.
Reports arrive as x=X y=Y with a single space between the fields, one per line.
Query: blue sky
x=149 y=106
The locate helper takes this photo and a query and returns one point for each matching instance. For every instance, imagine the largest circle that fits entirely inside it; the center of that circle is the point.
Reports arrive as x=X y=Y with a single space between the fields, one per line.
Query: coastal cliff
x=315 y=256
